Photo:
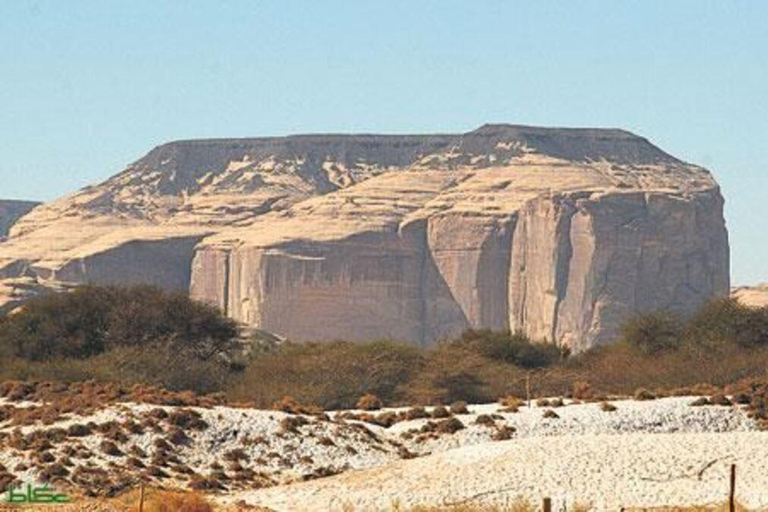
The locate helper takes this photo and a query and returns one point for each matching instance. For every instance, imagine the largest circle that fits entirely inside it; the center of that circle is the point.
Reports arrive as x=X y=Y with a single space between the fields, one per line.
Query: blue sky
x=87 y=87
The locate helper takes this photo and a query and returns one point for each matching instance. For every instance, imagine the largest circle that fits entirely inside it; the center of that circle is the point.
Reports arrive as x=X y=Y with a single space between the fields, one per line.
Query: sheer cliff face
x=560 y=233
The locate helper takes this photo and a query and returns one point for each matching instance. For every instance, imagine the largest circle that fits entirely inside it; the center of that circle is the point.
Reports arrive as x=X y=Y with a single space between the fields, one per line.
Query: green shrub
x=92 y=320
x=727 y=321
x=452 y=373
x=332 y=375
x=653 y=333
x=161 y=364
x=515 y=348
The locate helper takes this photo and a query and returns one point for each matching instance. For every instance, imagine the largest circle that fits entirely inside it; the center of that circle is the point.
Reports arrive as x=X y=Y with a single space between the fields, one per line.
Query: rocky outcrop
x=563 y=250
x=11 y=212
x=754 y=296
x=560 y=233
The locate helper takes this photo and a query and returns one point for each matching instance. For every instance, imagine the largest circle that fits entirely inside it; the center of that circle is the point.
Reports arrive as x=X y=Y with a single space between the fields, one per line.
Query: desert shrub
x=175 y=501
x=369 y=402
x=503 y=433
x=459 y=407
x=582 y=390
x=727 y=321
x=160 y=364
x=453 y=373
x=700 y=402
x=515 y=348
x=449 y=426
x=92 y=320
x=643 y=394
x=721 y=399
x=440 y=412
x=485 y=419
x=621 y=369
x=415 y=413
x=652 y=333
x=332 y=375
x=291 y=406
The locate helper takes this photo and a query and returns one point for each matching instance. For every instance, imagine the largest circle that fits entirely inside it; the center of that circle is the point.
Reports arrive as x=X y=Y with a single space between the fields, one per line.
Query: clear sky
x=87 y=87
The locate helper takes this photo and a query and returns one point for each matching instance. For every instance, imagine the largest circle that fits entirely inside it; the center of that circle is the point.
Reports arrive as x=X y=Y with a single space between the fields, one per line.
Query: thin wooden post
x=141 y=497
x=732 y=493
x=547 y=505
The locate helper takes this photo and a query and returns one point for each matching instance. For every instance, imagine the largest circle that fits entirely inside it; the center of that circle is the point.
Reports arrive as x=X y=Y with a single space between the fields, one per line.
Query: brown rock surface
x=558 y=232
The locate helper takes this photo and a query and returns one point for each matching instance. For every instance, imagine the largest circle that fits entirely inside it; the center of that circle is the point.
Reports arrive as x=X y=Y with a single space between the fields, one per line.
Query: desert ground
x=604 y=455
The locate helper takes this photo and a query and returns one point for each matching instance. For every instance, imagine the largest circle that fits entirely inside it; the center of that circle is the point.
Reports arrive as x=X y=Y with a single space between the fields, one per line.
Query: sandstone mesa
x=561 y=233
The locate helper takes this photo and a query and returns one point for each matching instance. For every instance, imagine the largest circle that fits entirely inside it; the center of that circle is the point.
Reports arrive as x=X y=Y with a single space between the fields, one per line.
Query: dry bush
x=178 y=437
x=508 y=347
x=92 y=320
x=456 y=374
x=643 y=394
x=485 y=419
x=449 y=426
x=6 y=480
x=459 y=407
x=653 y=333
x=549 y=413
x=292 y=423
x=187 y=418
x=720 y=399
x=78 y=430
x=289 y=405
x=415 y=413
x=110 y=448
x=440 y=412
x=503 y=433
x=333 y=375
x=369 y=402
x=582 y=390
x=386 y=419
x=211 y=483
x=235 y=455
x=172 y=501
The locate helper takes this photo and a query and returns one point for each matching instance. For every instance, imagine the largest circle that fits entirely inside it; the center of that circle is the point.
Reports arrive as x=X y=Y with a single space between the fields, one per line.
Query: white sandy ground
x=606 y=472
x=643 y=454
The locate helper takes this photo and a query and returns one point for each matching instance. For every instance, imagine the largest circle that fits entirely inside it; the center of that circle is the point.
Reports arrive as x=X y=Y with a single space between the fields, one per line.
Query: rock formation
x=11 y=212
x=560 y=233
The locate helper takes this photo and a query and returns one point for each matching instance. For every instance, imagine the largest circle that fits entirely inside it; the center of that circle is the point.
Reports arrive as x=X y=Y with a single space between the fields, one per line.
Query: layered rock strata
x=560 y=233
